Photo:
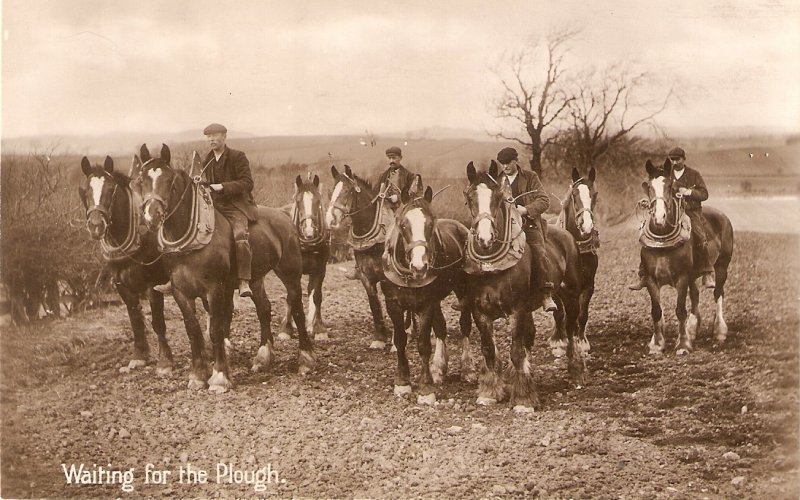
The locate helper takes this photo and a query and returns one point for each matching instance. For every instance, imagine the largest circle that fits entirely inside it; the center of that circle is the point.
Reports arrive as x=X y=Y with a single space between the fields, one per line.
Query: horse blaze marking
x=661 y=207
x=337 y=190
x=96 y=183
x=308 y=198
x=154 y=175
x=417 y=220
x=484 y=207
x=586 y=201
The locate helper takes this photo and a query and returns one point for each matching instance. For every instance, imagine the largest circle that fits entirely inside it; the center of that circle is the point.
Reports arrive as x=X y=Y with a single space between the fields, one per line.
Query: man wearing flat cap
x=228 y=173
x=693 y=190
x=531 y=206
x=397 y=177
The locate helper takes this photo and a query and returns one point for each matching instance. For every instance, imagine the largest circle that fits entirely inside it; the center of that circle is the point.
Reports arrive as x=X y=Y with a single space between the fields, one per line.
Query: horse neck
x=177 y=224
x=120 y=215
x=364 y=216
x=570 y=223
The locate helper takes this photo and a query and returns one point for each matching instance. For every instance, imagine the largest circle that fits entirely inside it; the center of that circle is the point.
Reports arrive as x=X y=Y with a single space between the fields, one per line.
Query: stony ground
x=720 y=422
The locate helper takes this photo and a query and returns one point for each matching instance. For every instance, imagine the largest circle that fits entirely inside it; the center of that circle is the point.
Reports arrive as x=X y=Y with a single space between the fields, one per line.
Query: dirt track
x=643 y=427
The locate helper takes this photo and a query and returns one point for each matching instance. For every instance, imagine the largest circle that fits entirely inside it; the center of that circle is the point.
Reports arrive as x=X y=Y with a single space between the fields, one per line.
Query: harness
x=310 y=244
x=112 y=250
x=680 y=228
x=382 y=223
x=591 y=243
x=507 y=252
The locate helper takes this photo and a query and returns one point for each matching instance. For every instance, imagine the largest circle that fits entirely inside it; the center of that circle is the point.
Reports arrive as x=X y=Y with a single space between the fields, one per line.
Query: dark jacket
x=691 y=179
x=404 y=179
x=233 y=172
x=536 y=202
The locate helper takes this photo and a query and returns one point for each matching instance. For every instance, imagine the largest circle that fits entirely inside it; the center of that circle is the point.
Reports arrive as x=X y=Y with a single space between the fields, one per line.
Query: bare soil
x=720 y=422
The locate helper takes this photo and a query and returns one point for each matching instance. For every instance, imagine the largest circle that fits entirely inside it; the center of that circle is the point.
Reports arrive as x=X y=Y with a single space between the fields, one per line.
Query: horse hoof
x=136 y=363
x=228 y=344
x=164 y=371
x=218 y=381
x=402 y=390
x=522 y=409
x=196 y=384
x=486 y=401
x=558 y=352
x=377 y=344
x=426 y=399
x=217 y=389
x=393 y=349
x=284 y=336
x=305 y=363
x=321 y=336
x=655 y=351
x=469 y=377
x=682 y=351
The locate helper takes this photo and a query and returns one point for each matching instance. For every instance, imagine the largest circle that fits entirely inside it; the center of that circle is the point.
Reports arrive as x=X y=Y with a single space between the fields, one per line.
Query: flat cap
x=215 y=128
x=677 y=152
x=506 y=155
x=394 y=151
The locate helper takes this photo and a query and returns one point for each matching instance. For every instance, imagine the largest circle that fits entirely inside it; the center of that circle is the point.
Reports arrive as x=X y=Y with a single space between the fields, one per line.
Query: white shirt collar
x=217 y=156
x=679 y=173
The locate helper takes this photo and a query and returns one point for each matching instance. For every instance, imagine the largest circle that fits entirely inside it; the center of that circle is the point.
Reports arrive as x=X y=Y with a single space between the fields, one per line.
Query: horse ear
x=667 y=168
x=428 y=194
x=108 y=165
x=196 y=164
x=416 y=185
x=575 y=174
x=651 y=169
x=136 y=167
x=165 y=154
x=592 y=175
x=298 y=181
x=316 y=181
x=471 y=173
x=646 y=187
x=334 y=172
x=404 y=196
x=86 y=167
x=347 y=171
x=145 y=153
x=493 y=169
x=82 y=195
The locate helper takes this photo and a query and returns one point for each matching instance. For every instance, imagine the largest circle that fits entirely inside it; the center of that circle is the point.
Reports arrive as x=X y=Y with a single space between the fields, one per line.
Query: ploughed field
x=719 y=422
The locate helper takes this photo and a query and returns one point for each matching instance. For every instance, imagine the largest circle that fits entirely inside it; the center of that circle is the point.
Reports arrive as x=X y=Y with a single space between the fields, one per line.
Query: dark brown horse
x=169 y=197
x=577 y=218
x=371 y=222
x=134 y=260
x=499 y=282
x=668 y=256
x=423 y=264
x=308 y=217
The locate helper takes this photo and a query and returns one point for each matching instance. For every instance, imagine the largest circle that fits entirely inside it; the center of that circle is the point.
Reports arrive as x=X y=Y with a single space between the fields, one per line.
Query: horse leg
x=684 y=334
x=165 y=361
x=693 y=320
x=402 y=379
x=576 y=351
x=440 y=355
x=589 y=267
x=721 y=277
x=199 y=375
x=266 y=347
x=521 y=385
x=141 y=351
x=411 y=326
x=218 y=303
x=656 y=345
x=558 y=337
x=286 y=330
x=314 y=317
x=294 y=296
x=379 y=335
x=425 y=391
x=468 y=374
x=490 y=385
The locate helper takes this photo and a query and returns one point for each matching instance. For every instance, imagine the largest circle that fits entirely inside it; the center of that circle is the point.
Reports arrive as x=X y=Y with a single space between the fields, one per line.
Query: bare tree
x=532 y=96
x=605 y=107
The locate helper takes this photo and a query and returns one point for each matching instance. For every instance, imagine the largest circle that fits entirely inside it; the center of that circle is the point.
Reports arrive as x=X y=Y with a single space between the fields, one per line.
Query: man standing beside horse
x=228 y=174
x=693 y=191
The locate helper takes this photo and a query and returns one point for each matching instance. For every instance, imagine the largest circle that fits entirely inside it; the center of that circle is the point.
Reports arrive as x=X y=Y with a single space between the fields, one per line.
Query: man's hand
x=216 y=187
x=684 y=191
x=394 y=198
x=522 y=210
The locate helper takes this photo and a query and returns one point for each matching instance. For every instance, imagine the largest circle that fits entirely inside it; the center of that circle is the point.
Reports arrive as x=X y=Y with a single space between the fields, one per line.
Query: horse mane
x=364 y=183
x=120 y=178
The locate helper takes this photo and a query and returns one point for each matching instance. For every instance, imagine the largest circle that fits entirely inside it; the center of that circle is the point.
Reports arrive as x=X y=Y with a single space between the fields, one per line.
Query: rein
x=590 y=243
x=504 y=244
x=321 y=236
x=675 y=226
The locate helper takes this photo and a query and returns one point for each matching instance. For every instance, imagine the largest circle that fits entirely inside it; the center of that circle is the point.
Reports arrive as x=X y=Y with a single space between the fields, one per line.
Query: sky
x=299 y=67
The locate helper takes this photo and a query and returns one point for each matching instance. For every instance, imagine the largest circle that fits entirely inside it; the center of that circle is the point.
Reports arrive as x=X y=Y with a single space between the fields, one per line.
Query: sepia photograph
x=400 y=249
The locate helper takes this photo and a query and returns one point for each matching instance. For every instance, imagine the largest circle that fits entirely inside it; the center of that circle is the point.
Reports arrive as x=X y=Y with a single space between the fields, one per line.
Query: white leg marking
x=720 y=326
x=439 y=365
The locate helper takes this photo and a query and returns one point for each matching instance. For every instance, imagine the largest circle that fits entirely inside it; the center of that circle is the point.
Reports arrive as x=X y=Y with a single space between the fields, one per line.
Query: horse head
x=351 y=194
x=658 y=188
x=98 y=195
x=415 y=224
x=485 y=195
x=582 y=199
x=307 y=209
x=157 y=184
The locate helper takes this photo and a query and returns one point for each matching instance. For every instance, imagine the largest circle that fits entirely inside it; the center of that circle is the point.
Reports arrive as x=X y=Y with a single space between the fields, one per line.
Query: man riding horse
x=693 y=190
x=228 y=174
x=531 y=202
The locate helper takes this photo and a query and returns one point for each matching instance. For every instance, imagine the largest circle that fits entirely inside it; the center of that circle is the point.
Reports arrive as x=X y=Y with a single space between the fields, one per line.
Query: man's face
x=510 y=168
x=677 y=162
x=394 y=160
x=216 y=141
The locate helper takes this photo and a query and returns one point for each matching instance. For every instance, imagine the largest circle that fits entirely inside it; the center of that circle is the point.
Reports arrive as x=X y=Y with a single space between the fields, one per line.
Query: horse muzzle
x=333 y=218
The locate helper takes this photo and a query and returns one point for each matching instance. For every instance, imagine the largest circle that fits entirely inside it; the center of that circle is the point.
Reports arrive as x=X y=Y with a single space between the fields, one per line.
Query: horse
x=372 y=221
x=170 y=198
x=112 y=218
x=499 y=266
x=422 y=264
x=308 y=218
x=577 y=218
x=668 y=256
